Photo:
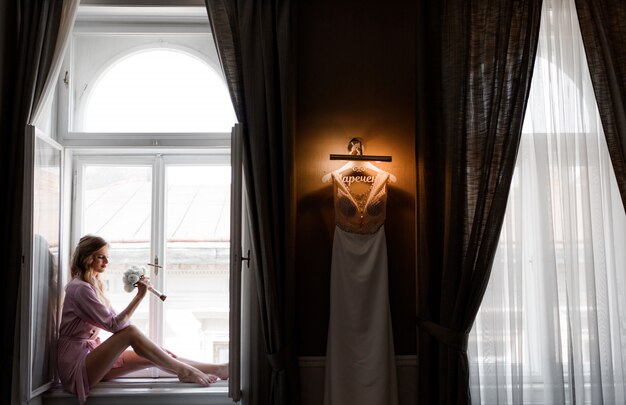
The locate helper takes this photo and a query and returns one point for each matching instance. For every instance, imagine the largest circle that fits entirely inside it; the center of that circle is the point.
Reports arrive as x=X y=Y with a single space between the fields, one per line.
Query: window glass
x=117 y=203
x=162 y=90
x=197 y=219
x=46 y=225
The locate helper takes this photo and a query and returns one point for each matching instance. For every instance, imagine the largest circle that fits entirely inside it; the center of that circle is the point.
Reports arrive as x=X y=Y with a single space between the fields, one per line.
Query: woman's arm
x=142 y=287
x=90 y=309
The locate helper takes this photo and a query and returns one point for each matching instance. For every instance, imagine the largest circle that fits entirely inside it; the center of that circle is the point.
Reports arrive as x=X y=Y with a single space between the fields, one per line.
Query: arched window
x=169 y=208
x=158 y=90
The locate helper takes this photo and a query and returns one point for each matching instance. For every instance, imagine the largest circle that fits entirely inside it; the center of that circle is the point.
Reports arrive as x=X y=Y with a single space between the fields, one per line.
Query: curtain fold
x=471 y=101
x=55 y=52
x=254 y=42
x=550 y=328
x=29 y=36
x=603 y=29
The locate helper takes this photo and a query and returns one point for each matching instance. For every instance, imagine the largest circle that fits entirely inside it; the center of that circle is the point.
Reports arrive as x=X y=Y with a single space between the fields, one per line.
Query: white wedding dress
x=360 y=358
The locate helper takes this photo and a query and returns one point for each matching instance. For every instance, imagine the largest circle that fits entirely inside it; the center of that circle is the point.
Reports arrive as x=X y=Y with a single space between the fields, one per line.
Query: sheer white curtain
x=552 y=325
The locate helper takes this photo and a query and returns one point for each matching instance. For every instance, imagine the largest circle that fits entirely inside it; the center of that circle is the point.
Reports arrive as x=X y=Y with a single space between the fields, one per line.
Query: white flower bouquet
x=132 y=276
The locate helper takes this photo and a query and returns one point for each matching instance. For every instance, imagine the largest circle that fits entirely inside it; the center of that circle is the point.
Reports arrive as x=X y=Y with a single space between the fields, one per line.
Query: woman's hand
x=142 y=286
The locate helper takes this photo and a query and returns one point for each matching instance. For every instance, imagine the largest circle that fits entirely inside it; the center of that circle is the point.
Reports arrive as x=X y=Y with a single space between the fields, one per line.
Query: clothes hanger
x=357 y=158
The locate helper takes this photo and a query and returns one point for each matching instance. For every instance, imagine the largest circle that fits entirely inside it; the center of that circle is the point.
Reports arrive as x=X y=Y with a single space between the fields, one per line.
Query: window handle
x=156 y=265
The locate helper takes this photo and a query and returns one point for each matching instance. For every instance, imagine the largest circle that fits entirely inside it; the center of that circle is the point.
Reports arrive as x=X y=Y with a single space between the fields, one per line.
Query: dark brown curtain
x=603 y=28
x=29 y=32
x=475 y=62
x=254 y=41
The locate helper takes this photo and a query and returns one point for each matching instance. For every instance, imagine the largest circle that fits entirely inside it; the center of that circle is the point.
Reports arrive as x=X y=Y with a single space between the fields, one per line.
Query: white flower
x=132 y=276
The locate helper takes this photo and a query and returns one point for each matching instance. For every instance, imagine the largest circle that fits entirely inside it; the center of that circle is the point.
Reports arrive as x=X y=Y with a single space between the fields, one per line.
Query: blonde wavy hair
x=83 y=259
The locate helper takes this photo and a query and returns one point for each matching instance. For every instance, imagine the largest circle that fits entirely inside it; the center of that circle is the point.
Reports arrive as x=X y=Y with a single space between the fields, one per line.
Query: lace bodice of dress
x=363 y=213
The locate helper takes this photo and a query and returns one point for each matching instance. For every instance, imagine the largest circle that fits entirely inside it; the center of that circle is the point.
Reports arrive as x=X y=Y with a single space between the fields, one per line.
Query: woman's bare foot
x=222 y=371
x=193 y=375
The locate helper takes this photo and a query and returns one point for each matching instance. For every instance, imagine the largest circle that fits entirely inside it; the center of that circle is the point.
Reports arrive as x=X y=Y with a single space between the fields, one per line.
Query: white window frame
x=157 y=161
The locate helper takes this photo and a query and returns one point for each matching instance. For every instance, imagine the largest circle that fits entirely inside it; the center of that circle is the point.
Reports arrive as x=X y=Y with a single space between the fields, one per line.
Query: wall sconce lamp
x=355 y=147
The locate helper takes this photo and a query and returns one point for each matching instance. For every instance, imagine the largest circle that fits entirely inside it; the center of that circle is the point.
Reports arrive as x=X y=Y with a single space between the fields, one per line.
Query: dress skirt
x=360 y=357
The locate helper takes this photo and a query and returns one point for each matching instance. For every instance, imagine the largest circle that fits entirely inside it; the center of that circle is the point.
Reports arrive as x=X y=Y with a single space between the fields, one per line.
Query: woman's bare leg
x=219 y=370
x=134 y=362
x=102 y=358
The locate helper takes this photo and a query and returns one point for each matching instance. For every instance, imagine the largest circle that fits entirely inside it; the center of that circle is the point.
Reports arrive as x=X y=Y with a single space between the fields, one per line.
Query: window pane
x=159 y=91
x=117 y=206
x=46 y=225
x=197 y=257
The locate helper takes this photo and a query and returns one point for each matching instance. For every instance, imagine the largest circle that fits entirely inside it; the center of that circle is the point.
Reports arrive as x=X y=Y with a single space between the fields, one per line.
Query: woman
x=83 y=360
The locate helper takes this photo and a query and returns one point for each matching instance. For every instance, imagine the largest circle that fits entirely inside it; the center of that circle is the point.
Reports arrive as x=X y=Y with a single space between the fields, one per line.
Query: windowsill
x=148 y=391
